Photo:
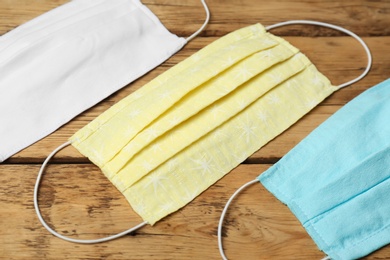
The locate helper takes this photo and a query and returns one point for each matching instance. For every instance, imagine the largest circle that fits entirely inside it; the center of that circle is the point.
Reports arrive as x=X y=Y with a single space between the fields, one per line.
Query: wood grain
x=339 y=68
x=270 y=153
x=79 y=201
x=183 y=17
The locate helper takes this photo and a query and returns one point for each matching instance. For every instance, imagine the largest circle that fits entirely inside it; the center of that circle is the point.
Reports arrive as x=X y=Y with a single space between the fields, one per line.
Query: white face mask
x=65 y=61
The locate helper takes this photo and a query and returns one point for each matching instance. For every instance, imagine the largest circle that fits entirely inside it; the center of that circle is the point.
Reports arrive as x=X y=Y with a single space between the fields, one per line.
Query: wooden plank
x=79 y=201
x=339 y=68
x=364 y=17
x=339 y=58
x=270 y=153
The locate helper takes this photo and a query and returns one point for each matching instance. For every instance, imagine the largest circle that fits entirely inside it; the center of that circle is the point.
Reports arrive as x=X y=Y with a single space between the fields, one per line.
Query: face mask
x=337 y=180
x=67 y=60
x=173 y=138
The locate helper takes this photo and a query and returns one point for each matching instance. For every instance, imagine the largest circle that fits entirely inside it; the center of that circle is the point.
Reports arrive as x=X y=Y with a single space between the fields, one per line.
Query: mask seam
x=318 y=217
x=313 y=221
x=137 y=200
x=319 y=235
x=145 y=215
x=291 y=202
x=284 y=42
x=15 y=149
x=293 y=48
x=154 y=18
x=369 y=237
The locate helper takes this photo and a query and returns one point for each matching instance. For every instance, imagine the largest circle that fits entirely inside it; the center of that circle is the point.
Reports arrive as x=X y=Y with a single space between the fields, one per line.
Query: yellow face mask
x=169 y=141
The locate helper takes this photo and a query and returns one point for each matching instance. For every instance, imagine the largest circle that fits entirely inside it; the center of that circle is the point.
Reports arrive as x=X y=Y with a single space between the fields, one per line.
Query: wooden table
x=80 y=202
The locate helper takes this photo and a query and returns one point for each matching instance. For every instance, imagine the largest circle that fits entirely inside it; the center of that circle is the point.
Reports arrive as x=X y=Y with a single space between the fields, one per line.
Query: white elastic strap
x=338 y=28
x=220 y=224
x=80 y=241
x=206 y=8
x=221 y=220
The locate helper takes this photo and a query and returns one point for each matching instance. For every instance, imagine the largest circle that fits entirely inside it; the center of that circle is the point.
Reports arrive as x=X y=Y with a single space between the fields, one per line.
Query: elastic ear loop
x=221 y=220
x=40 y=174
x=220 y=246
x=80 y=241
x=368 y=67
x=206 y=8
x=337 y=28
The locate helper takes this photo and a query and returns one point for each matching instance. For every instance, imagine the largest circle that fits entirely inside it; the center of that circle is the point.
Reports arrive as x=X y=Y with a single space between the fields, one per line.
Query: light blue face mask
x=337 y=180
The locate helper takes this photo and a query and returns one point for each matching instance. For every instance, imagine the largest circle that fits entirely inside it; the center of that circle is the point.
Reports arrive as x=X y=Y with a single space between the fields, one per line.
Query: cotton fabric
x=170 y=140
x=68 y=59
x=337 y=180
